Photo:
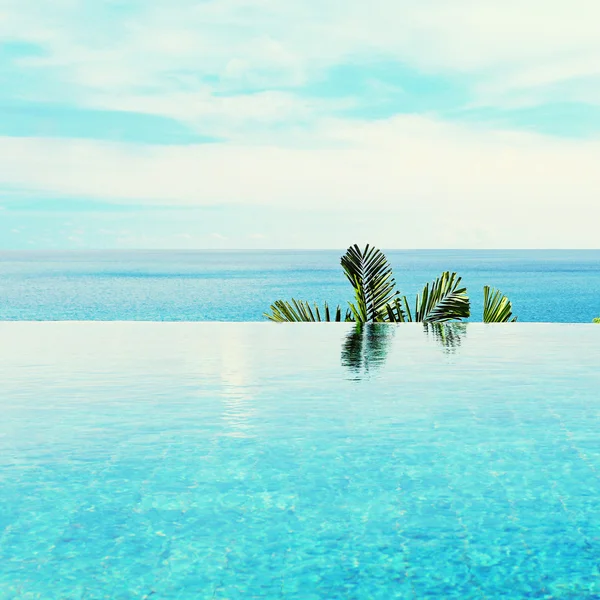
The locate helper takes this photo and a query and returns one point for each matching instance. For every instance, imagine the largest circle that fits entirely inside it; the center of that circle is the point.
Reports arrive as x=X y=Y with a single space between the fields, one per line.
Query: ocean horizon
x=239 y=285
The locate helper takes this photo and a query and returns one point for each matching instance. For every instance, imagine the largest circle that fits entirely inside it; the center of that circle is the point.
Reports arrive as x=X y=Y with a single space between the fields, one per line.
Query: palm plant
x=370 y=274
x=299 y=311
x=376 y=298
x=443 y=301
x=496 y=307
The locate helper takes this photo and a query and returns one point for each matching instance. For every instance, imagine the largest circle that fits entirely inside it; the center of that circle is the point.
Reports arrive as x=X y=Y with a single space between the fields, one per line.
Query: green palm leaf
x=370 y=275
x=398 y=311
x=442 y=300
x=300 y=311
x=596 y=320
x=497 y=308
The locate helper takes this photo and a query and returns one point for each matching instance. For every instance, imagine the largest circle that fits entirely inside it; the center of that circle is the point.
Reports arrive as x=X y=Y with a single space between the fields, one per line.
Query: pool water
x=212 y=460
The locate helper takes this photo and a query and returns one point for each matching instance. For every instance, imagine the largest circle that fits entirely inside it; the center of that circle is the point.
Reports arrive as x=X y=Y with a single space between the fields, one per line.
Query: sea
x=543 y=285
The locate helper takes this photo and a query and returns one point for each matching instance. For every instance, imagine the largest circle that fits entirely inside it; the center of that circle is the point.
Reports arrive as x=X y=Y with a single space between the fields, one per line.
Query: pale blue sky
x=266 y=124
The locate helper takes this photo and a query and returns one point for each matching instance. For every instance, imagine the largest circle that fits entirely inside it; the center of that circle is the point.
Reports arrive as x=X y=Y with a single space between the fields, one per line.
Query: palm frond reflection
x=365 y=348
x=448 y=335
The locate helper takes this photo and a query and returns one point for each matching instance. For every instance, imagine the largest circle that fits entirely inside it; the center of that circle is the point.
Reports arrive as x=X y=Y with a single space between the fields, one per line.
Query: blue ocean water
x=544 y=285
x=207 y=460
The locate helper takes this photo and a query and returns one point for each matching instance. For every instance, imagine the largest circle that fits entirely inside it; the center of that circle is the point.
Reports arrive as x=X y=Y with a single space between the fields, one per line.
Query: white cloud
x=437 y=184
x=156 y=56
x=250 y=116
x=569 y=80
x=418 y=180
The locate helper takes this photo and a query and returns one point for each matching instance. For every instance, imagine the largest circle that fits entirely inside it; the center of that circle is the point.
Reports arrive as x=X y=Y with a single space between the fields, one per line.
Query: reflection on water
x=448 y=335
x=366 y=346
x=236 y=376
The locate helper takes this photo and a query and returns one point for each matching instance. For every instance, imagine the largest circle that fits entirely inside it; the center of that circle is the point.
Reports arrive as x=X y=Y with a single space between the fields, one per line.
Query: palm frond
x=497 y=308
x=300 y=311
x=442 y=300
x=370 y=274
x=398 y=311
x=596 y=320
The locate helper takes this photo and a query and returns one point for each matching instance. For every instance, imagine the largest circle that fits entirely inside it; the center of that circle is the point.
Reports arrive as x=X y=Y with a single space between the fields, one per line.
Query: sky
x=299 y=124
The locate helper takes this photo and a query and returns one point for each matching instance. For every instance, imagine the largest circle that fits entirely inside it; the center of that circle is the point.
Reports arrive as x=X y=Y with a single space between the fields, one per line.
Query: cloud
x=170 y=58
x=260 y=75
x=237 y=117
x=72 y=206
x=507 y=186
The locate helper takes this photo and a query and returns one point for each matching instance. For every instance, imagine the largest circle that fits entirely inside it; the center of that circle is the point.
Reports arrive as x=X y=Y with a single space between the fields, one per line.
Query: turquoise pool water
x=209 y=460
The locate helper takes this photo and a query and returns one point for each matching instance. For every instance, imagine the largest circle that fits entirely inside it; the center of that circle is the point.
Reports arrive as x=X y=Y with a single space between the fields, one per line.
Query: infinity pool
x=212 y=460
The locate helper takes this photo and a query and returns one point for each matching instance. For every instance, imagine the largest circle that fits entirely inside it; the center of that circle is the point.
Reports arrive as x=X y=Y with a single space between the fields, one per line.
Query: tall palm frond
x=497 y=308
x=371 y=276
x=300 y=311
